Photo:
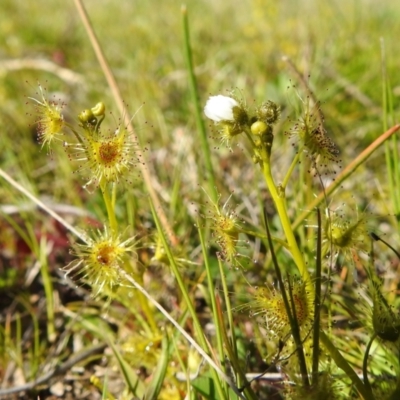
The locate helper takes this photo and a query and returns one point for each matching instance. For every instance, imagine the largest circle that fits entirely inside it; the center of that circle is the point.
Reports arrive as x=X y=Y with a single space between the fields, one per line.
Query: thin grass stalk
x=123 y=111
x=48 y=290
x=233 y=360
x=365 y=363
x=391 y=153
x=40 y=204
x=18 y=341
x=240 y=376
x=297 y=338
x=218 y=322
x=228 y=309
x=205 y=148
x=317 y=304
x=390 y=168
x=144 y=304
x=110 y=208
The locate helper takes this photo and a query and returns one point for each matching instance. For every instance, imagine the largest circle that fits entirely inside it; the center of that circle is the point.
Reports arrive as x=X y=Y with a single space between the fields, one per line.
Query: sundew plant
x=241 y=243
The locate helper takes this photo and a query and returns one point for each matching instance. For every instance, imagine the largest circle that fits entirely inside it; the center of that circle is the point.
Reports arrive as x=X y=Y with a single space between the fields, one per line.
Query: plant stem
x=110 y=209
x=317 y=304
x=291 y=168
x=210 y=282
x=280 y=204
x=365 y=362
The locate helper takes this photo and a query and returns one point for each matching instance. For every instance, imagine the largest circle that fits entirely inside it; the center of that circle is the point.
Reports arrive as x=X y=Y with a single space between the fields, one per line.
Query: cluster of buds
x=233 y=118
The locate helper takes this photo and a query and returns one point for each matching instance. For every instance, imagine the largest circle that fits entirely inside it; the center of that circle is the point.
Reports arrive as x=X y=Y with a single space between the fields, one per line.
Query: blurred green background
x=345 y=50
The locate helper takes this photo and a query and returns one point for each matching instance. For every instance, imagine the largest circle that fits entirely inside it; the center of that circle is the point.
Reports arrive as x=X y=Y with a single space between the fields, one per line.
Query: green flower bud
x=268 y=112
x=87 y=116
x=258 y=128
x=99 y=109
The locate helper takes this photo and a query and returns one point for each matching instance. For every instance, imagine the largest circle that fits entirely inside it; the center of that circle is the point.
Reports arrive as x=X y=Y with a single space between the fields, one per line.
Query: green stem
x=280 y=204
x=249 y=136
x=291 y=168
x=365 y=363
x=110 y=208
x=317 y=305
x=211 y=288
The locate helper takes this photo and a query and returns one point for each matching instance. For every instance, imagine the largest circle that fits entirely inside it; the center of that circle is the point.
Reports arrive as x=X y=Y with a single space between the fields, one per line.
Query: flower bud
x=87 y=116
x=268 y=112
x=258 y=128
x=99 y=109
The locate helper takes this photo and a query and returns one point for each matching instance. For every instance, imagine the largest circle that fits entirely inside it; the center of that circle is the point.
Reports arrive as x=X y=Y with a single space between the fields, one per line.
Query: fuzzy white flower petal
x=220 y=108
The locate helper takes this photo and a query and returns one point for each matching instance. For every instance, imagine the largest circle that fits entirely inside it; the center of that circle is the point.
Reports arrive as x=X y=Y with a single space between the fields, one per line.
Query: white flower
x=220 y=108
